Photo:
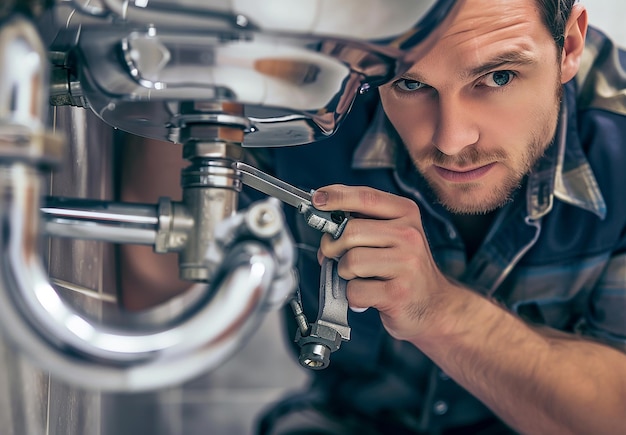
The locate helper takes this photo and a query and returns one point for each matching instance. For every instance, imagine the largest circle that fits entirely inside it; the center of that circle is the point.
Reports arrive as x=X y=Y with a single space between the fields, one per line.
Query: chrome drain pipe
x=104 y=221
x=141 y=351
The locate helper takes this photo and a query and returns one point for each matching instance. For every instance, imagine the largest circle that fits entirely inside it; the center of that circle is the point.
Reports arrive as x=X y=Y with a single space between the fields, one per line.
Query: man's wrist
x=455 y=313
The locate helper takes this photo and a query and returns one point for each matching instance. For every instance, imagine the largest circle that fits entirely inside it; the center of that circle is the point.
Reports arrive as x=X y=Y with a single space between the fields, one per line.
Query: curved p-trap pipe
x=78 y=349
x=41 y=324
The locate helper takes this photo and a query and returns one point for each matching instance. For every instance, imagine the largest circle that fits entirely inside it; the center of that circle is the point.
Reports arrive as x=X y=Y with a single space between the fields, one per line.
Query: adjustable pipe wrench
x=324 y=336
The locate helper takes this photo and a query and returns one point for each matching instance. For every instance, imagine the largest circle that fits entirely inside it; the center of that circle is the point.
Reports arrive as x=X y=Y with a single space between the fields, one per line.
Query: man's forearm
x=536 y=381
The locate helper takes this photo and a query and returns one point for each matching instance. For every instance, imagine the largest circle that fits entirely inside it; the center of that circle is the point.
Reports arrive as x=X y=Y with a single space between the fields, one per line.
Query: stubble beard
x=477 y=198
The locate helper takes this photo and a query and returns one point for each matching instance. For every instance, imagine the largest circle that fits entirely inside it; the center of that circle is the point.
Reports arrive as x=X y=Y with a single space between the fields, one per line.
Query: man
x=488 y=241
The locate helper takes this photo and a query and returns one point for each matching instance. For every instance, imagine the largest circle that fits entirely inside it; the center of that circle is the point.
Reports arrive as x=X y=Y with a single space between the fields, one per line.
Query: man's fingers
x=359 y=232
x=363 y=200
x=366 y=293
x=374 y=234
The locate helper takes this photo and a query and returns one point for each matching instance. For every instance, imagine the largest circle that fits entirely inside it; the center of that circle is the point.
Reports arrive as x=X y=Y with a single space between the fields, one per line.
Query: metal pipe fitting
x=211 y=183
x=139 y=352
x=141 y=356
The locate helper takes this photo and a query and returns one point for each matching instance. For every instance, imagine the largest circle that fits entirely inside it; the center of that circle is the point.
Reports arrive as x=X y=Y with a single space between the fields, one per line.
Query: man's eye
x=407 y=85
x=498 y=79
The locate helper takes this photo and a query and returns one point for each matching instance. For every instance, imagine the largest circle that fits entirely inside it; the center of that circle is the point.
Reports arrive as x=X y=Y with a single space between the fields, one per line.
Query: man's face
x=480 y=107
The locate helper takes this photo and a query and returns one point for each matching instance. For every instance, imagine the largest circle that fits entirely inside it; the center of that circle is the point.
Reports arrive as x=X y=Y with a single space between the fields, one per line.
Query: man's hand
x=536 y=380
x=384 y=254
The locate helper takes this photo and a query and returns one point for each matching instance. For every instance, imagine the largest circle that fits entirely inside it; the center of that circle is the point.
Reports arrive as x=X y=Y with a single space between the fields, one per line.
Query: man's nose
x=456 y=127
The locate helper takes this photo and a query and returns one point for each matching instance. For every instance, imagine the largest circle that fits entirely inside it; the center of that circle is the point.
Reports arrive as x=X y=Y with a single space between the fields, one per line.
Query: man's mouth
x=463 y=175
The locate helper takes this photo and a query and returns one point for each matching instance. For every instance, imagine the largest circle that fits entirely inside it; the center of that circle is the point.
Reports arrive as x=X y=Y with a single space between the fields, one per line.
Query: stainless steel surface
x=83 y=272
x=295 y=67
x=309 y=16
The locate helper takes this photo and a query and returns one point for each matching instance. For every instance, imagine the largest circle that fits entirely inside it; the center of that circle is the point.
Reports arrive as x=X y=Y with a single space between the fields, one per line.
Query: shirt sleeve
x=606 y=316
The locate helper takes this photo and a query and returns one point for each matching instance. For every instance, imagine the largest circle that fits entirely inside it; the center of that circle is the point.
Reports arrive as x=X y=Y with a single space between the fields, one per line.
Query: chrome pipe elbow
x=141 y=355
x=142 y=351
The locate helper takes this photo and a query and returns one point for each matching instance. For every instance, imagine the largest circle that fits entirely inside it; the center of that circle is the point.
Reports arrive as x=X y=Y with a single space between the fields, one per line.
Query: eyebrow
x=509 y=58
x=504 y=59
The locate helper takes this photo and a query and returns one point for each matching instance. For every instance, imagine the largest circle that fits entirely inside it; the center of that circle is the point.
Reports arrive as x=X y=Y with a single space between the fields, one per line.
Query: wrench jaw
x=332 y=222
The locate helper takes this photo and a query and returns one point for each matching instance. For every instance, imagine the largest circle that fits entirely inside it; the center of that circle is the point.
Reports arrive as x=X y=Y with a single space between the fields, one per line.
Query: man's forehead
x=477 y=17
x=484 y=27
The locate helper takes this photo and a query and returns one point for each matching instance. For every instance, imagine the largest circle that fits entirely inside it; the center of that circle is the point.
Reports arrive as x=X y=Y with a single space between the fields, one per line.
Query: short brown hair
x=555 y=14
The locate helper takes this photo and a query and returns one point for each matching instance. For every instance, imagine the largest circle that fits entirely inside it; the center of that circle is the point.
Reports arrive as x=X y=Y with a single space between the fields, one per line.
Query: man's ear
x=574 y=43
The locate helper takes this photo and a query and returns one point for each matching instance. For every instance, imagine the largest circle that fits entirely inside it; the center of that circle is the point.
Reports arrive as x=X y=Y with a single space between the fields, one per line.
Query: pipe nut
x=215 y=149
x=314 y=356
x=264 y=221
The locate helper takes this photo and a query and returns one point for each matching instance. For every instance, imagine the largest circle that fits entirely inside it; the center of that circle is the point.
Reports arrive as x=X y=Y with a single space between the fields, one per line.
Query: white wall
x=609 y=16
